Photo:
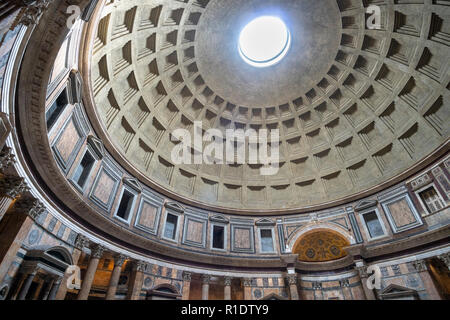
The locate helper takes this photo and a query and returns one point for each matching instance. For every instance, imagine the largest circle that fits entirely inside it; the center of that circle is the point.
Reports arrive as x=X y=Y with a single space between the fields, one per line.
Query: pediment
x=273 y=296
x=133 y=183
x=365 y=204
x=76 y=87
x=265 y=223
x=220 y=219
x=174 y=206
x=397 y=289
x=340 y=222
x=97 y=145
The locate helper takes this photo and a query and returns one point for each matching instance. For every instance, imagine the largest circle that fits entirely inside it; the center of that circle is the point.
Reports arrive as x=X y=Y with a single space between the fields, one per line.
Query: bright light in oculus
x=265 y=41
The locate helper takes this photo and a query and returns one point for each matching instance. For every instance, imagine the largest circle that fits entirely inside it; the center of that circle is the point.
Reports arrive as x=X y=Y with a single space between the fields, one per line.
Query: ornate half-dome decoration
x=320 y=246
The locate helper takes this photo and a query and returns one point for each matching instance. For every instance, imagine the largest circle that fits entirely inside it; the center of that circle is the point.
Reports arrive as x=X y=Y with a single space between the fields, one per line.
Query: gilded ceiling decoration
x=355 y=107
x=320 y=246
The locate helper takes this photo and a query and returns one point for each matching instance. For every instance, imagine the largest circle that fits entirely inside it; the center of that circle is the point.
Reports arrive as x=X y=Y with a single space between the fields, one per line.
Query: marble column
x=423 y=271
x=206 y=278
x=20 y=280
x=187 y=277
x=29 y=277
x=38 y=290
x=16 y=227
x=227 y=288
x=10 y=188
x=368 y=293
x=54 y=289
x=346 y=291
x=48 y=287
x=247 y=284
x=80 y=243
x=136 y=280
x=318 y=293
x=96 y=254
x=115 y=276
x=292 y=281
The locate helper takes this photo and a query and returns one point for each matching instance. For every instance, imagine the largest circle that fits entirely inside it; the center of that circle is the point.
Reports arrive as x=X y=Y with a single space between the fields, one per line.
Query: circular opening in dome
x=264 y=42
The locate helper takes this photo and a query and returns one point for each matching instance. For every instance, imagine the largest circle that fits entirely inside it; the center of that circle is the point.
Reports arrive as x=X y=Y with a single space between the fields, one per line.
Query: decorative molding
x=420 y=182
x=89 y=10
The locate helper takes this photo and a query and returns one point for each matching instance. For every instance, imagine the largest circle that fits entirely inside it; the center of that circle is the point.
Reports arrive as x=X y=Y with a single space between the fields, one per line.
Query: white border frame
x=366 y=230
x=424 y=206
x=133 y=206
x=177 y=229
x=391 y=220
x=258 y=238
x=225 y=236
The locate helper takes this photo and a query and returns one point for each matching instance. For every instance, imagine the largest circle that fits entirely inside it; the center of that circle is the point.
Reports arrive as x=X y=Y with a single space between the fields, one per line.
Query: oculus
x=264 y=42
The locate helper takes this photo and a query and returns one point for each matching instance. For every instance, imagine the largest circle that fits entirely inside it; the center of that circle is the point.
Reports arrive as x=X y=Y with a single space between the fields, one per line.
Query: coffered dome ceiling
x=355 y=107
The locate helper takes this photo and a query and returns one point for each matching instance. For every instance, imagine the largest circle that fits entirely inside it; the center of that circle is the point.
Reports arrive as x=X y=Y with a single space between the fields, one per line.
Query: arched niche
x=163 y=292
x=321 y=245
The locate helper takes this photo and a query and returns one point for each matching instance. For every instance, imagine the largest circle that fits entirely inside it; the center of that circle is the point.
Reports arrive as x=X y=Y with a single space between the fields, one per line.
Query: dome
x=224 y=149
x=350 y=108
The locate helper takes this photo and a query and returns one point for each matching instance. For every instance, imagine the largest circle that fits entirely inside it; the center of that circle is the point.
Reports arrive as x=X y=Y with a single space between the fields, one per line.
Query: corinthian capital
x=140 y=266
x=119 y=260
x=32 y=13
x=362 y=270
x=97 y=251
x=6 y=158
x=420 y=265
x=247 y=282
x=206 y=278
x=12 y=186
x=81 y=242
x=445 y=257
x=292 y=279
x=30 y=206
x=227 y=281
x=187 y=276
